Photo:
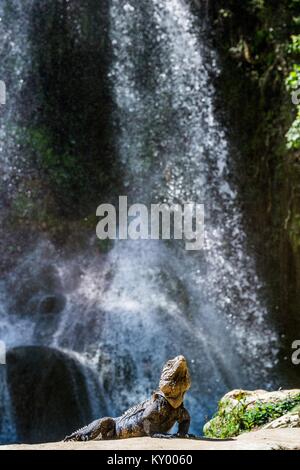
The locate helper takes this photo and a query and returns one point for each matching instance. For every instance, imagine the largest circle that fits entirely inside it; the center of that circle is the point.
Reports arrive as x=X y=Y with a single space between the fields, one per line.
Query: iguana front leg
x=152 y=418
x=103 y=428
x=184 y=421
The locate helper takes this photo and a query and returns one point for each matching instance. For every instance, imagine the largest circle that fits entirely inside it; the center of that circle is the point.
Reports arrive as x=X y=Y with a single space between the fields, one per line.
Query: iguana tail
x=104 y=428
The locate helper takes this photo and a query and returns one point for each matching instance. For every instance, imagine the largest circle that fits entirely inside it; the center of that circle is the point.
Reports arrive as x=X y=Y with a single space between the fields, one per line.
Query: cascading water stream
x=205 y=305
x=7 y=428
x=121 y=316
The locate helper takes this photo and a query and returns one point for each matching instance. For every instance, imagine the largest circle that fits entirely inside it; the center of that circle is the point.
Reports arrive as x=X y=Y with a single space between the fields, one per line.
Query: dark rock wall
x=252 y=39
x=49 y=394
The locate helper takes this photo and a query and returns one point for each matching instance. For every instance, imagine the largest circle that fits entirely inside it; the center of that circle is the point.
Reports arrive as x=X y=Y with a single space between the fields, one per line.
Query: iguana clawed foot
x=75 y=437
x=173 y=436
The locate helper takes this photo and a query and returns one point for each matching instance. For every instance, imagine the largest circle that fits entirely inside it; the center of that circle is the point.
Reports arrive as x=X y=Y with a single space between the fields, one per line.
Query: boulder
x=48 y=392
x=242 y=410
x=52 y=304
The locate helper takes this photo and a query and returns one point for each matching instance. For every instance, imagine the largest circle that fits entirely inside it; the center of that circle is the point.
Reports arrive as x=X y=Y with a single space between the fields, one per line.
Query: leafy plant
x=263 y=413
x=293 y=80
x=293 y=84
x=293 y=134
x=294 y=47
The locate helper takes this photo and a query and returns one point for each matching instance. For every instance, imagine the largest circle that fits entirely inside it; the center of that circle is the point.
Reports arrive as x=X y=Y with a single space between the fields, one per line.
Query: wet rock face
x=36 y=289
x=51 y=304
x=48 y=393
x=36 y=292
x=70 y=50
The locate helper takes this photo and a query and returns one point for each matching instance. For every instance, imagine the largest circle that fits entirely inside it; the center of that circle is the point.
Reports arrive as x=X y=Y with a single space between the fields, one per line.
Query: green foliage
x=226 y=423
x=63 y=169
x=22 y=206
x=225 y=13
x=230 y=422
x=263 y=413
x=293 y=84
x=294 y=47
x=293 y=80
x=293 y=134
x=257 y=4
x=294 y=231
x=105 y=245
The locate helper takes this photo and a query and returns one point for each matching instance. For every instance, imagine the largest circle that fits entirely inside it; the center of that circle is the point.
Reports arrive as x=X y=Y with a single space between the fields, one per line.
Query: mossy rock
x=241 y=411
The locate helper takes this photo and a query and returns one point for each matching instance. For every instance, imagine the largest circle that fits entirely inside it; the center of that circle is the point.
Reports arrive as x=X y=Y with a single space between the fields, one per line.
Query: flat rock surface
x=267 y=439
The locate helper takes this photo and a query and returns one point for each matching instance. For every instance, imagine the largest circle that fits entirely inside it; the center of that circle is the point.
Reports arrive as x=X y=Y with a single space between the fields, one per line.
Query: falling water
x=7 y=428
x=124 y=314
x=15 y=67
x=162 y=300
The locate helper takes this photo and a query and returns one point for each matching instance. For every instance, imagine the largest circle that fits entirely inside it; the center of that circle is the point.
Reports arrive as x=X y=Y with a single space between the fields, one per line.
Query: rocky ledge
x=267 y=439
x=245 y=420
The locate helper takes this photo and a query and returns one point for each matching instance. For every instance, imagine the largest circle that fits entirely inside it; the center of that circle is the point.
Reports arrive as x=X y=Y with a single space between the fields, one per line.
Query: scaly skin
x=154 y=417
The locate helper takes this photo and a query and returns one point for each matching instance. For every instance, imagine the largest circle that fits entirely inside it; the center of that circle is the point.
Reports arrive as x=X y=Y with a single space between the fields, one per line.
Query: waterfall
x=15 y=70
x=123 y=314
x=15 y=66
x=162 y=300
x=7 y=428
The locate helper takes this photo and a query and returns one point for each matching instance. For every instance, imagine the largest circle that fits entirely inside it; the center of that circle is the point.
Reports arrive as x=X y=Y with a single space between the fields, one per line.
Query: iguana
x=154 y=417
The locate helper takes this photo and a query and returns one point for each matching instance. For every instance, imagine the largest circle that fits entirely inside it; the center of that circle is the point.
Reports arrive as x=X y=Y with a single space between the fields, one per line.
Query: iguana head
x=175 y=380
